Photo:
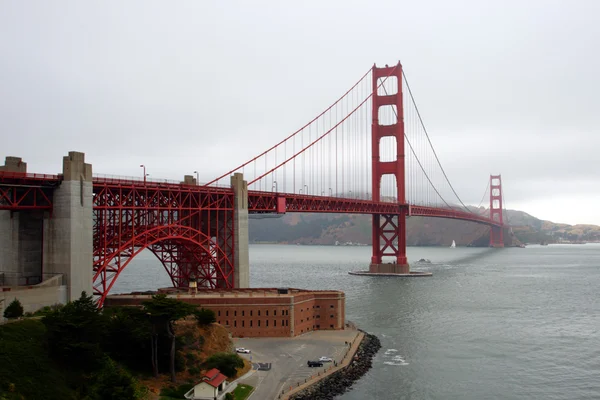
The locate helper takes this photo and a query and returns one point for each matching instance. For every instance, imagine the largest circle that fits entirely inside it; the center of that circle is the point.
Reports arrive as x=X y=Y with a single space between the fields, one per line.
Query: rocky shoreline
x=340 y=381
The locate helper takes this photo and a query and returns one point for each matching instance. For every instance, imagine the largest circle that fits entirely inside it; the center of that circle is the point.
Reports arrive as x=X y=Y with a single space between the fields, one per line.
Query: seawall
x=338 y=382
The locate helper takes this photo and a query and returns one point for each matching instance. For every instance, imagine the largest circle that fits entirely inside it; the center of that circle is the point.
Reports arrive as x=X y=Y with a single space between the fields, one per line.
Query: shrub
x=227 y=363
x=47 y=310
x=176 y=392
x=194 y=370
x=205 y=316
x=229 y=396
x=191 y=358
x=114 y=383
x=14 y=309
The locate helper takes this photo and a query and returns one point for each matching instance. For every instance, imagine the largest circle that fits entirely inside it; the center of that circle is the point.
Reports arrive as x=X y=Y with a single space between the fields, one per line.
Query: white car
x=242 y=350
x=325 y=359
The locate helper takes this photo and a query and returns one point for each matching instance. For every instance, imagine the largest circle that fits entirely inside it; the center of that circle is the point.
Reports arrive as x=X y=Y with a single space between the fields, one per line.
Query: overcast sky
x=505 y=87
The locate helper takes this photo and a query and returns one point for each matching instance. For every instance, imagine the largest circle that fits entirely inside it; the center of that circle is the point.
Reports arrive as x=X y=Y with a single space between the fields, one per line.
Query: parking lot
x=288 y=358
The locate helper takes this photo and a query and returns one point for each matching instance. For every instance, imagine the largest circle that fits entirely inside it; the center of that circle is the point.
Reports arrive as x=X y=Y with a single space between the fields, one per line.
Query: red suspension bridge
x=367 y=153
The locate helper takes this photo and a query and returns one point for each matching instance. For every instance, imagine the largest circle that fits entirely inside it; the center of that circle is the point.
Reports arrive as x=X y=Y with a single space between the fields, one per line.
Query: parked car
x=314 y=364
x=242 y=350
x=326 y=359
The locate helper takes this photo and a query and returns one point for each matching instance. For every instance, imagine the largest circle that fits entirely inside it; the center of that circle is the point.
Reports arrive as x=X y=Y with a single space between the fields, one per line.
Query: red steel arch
x=209 y=263
x=189 y=228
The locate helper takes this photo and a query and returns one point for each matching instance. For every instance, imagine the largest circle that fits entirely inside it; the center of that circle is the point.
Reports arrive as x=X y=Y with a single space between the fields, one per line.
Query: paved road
x=288 y=357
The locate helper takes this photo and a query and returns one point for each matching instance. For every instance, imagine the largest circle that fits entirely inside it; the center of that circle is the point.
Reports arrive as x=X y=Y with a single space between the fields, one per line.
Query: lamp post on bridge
x=330 y=192
x=197 y=179
x=274 y=186
x=145 y=175
x=305 y=189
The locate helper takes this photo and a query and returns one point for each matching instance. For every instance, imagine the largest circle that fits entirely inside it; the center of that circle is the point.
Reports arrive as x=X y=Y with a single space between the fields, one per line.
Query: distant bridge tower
x=389 y=231
x=496 y=233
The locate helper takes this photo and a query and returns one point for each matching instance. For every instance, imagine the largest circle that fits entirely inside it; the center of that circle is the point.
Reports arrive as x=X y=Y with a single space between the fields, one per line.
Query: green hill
x=327 y=229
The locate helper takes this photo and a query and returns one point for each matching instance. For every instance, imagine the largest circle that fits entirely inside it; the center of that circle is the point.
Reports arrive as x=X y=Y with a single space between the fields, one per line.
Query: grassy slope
x=25 y=364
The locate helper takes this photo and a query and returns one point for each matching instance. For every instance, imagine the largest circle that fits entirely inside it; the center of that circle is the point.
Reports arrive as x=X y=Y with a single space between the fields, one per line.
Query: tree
x=227 y=363
x=163 y=312
x=128 y=334
x=205 y=316
x=14 y=309
x=114 y=383
x=75 y=332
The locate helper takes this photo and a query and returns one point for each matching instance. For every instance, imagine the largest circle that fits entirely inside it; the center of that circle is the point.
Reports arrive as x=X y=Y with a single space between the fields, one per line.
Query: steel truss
x=20 y=191
x=188 y=228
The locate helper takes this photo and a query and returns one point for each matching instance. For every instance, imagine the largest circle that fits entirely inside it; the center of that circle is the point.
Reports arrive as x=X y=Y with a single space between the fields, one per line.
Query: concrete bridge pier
x=240 y=229
x=68 y=234
x=20 y=239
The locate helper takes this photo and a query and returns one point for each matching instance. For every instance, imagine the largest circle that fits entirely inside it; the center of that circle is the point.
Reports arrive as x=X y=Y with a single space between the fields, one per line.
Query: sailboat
x=453 y=245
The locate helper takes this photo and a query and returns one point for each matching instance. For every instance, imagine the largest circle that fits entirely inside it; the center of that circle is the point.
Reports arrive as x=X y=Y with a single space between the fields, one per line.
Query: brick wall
x=261 y=312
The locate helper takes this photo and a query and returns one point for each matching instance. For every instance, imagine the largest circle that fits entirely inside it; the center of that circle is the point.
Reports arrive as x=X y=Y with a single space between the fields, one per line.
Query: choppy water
x=490 y=323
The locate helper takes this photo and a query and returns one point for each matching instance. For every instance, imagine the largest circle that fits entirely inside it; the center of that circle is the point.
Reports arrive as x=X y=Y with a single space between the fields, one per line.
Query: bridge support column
x=240 y=232
x=68 y=236
x=389 y=231
x=21 y=234
x=389 y=239
x=496 y=233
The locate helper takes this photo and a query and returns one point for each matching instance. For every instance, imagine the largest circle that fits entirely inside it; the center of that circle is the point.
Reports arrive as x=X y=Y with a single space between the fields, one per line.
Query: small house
x=212 y=387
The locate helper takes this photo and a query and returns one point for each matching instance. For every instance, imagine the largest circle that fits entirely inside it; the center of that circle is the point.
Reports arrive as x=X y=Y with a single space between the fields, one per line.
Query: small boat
x=453 y=245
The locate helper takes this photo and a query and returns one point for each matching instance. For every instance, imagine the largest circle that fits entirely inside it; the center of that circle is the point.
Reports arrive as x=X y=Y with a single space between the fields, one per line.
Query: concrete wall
x=205 y=391
x=240 y=227
x=51 y=291
x=8 y=253
x=20 y=239
x=68 y=244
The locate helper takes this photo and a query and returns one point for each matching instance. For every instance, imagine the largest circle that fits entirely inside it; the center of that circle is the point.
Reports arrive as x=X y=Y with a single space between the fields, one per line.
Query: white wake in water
x=394 y=359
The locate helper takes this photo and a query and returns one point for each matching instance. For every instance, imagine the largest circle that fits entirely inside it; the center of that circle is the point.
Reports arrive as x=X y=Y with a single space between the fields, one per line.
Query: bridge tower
x=389 y=231
x=496 y=233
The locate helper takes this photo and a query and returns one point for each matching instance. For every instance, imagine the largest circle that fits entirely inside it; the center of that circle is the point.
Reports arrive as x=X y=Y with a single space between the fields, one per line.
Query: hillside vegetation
x=327 y=229
x=79 y=352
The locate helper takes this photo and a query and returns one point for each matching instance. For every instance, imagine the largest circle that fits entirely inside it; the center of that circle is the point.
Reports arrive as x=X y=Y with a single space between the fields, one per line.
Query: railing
x=27 y=279
x=104 y=178
x=22 y=175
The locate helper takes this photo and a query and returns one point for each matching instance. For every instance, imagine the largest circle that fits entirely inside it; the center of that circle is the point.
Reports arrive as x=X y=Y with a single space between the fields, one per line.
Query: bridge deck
x=33 y=193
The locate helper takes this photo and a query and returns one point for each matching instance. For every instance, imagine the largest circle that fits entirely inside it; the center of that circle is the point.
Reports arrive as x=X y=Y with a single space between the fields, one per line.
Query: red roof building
x=211 y=387
x=214 y=377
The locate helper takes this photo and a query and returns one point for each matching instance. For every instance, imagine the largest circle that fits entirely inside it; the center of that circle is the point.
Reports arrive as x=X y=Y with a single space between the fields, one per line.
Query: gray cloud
x=507 y=87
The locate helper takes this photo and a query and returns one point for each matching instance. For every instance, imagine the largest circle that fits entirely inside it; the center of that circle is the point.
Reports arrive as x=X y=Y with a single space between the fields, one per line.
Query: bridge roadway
x=34 y=192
